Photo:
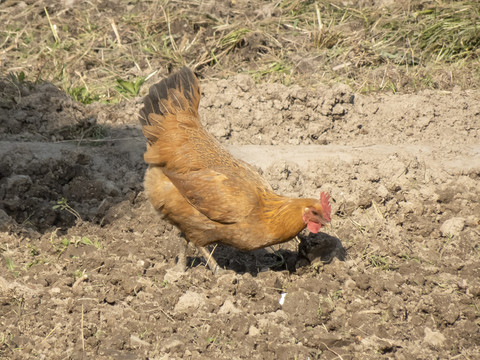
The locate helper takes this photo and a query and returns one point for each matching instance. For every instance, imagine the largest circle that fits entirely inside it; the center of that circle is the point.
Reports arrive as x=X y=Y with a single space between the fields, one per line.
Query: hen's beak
x=321 y=220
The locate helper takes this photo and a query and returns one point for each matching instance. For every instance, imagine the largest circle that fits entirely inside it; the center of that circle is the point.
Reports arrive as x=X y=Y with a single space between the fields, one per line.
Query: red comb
x=326 y=207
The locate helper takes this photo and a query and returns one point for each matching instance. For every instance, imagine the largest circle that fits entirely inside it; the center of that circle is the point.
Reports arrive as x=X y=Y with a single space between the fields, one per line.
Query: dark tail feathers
x=169 y=95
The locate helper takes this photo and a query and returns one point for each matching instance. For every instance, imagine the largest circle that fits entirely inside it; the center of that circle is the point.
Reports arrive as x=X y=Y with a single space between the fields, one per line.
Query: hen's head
x=318 y=214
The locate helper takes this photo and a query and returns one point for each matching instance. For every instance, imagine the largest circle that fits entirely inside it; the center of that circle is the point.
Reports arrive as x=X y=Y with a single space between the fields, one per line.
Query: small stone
x=137 y=341
x=381 y=345
x=382 y=191
x=350 y=284
x=110 y=298
x=253 y=331
x=190 y=300
x=453 y=226
x=172 y=346
x=228 y=308
x=474 y=290
x=433 y=338
x=452 y=314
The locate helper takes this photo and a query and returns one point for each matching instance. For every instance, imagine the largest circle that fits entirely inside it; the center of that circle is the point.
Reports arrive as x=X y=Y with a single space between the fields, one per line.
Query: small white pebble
x=282 y=298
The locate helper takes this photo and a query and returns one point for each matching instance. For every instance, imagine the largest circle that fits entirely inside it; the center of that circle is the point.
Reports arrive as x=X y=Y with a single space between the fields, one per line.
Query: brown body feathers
x=203 y=190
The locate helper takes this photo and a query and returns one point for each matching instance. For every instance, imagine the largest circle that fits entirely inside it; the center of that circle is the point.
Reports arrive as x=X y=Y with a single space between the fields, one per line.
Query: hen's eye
x=314 y=212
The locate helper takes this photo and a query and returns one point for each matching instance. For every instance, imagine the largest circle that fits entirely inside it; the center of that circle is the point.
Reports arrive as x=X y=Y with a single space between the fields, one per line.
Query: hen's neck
x=283 y=216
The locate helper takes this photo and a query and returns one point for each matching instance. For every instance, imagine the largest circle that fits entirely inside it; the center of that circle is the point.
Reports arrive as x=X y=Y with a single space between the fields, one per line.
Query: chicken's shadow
x=313 y=249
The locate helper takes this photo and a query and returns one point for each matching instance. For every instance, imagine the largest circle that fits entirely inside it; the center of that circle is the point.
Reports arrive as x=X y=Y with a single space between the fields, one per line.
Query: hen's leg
x=211 y=262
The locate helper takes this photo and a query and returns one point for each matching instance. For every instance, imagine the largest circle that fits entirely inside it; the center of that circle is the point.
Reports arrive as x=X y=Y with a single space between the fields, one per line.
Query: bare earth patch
x=398 y=275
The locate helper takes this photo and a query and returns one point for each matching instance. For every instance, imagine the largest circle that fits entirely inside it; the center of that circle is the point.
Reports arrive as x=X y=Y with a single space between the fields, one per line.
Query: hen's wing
x=222 y=188
x=223 y=198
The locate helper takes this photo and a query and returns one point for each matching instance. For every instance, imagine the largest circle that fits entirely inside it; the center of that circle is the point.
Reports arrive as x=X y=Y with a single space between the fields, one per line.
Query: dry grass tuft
x=85 y=49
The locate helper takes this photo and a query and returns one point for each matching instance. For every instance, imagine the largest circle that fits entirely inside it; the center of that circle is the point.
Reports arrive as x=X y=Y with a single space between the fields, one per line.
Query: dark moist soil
x=397 y=275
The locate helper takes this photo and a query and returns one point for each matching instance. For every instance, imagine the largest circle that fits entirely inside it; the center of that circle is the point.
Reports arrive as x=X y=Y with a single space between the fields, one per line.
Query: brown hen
x=199 y=187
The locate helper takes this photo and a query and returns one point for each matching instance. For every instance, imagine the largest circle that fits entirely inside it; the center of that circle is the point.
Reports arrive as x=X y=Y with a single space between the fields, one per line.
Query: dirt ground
x=85 y=260
x=398 y=276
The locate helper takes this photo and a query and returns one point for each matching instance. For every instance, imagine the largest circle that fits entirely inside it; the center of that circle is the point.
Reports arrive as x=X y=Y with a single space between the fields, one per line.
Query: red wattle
x=314 y=227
